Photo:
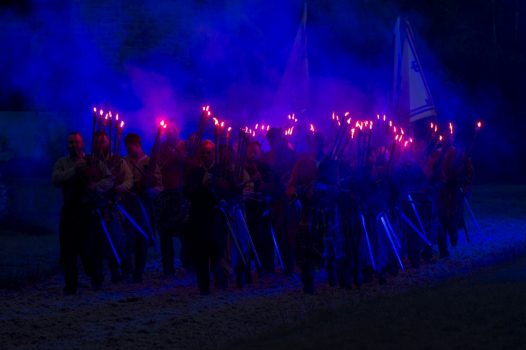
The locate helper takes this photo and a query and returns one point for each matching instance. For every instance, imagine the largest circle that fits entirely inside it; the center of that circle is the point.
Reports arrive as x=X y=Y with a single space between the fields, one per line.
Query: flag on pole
x=293 y=91
x=412 y=99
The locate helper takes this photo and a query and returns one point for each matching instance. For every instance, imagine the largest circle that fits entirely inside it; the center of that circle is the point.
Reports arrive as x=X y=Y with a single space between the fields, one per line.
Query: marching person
x=147 y=185
x=257 y=206
x=281 y=160
x=172 y=205
x=118 y=228
x=208 y=188
x=82 y=180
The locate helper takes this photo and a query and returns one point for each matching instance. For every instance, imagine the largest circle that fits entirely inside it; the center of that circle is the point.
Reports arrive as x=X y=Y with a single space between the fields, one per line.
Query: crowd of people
x=240 y=213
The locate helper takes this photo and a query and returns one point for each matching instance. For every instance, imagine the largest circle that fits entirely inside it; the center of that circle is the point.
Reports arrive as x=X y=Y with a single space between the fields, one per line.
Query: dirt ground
x=472 y=300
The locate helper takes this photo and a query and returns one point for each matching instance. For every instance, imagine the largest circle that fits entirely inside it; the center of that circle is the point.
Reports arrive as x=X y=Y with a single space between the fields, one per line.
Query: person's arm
x=158 y=179
x=62 y=173
x=106 y=182
x=127 y=183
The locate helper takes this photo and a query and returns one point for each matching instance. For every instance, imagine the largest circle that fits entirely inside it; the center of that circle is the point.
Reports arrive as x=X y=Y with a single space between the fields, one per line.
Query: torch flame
x=349 y=121
x=122 y=124
x=117 y=117
x=479 y=124
x=440 y=138
x=352 y=133
x=405 y=143
x=432 y=125
x=346 y=114
x=101 y=112
x=94 y=109
x=268 y=127
x=312 y=128
x=384 y=117
x=229 y=129
x=451 y=128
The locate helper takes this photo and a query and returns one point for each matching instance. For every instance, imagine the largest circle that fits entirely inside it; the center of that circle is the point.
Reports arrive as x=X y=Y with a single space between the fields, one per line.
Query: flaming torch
x=203 y=120
x=94 y=128
x=119 y=135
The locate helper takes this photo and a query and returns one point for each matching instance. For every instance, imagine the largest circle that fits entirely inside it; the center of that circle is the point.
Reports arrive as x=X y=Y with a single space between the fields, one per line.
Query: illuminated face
x=133 y=149
x=102 y=144
x=75 y=144
x=206 y=154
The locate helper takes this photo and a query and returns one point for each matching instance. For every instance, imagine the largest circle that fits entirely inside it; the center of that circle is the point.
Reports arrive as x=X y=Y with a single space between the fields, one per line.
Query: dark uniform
x=147 y=185
x=80 y=230
x=208 y=189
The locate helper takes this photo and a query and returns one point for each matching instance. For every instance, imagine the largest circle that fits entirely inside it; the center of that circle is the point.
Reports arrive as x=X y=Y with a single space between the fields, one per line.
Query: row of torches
x=112 y=127
x=344 y=129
